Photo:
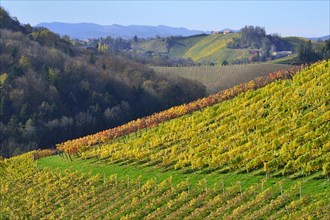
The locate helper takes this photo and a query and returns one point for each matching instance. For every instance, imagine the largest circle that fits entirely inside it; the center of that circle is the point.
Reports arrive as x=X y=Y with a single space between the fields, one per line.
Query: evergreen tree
x=307 y=54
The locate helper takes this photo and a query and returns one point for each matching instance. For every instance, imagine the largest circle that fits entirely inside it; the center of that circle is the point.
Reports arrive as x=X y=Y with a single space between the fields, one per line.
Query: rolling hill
x=163 y=45
x=204 y=49
x=258 y=150
x=212 y=49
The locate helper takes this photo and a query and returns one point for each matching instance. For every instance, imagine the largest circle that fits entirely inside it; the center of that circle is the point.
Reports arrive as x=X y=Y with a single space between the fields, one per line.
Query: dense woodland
x=51 y=91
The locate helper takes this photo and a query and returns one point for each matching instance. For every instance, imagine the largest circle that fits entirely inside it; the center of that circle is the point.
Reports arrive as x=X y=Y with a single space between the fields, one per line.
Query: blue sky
x=288 y=18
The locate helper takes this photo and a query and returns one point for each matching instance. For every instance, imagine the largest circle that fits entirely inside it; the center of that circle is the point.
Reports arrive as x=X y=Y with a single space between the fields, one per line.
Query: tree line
x=255 y=37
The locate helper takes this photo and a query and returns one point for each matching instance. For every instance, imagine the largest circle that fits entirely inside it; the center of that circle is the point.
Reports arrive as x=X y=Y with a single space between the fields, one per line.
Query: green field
x=213 y=48
x=217 y=78
x=287 y=60
x=122 y=171
x=264 y=154
x=180 y=45
x=154 y=45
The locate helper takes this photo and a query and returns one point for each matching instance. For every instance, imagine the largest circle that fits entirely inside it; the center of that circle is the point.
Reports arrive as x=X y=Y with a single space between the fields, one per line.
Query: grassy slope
x=94 y=166
x=213 y=49
x=180 y=45
x=154 y=45
x=217 y=78
x=133 y=171
x=292 y=59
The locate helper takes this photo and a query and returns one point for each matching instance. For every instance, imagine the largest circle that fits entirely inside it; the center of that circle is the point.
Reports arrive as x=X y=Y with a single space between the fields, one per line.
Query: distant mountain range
x=327 y=37
x=91 y=30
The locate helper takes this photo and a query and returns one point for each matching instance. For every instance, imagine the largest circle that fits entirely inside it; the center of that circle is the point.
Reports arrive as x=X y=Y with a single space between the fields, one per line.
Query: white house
x=278 y=54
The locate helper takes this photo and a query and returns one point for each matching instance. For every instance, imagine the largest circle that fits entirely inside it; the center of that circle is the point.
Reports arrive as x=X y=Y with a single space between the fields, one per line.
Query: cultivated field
x=217 y=78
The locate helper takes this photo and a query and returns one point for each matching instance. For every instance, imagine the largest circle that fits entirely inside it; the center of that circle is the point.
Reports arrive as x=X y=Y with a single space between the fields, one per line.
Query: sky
x=287 y=18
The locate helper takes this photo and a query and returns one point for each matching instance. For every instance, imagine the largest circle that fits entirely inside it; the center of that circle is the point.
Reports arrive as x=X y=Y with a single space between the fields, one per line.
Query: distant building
x=227 y=32
x=279 y=54
x=221 y=32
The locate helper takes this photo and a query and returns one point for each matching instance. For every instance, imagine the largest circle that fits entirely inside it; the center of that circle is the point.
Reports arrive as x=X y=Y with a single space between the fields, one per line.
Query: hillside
x=179 y=46
x=262 y=154
x=203 y=49
x=48 y=85
x=213 y=49
x=217 y=78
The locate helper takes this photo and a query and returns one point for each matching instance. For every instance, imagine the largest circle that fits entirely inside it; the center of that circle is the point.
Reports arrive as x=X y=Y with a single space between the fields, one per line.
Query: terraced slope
x=29 y=191
x=262 y=154
x=213 y=48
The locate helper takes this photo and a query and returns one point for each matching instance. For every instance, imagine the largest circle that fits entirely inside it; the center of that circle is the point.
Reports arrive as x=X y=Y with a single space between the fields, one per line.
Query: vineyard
x=213 y=49
x=282 y=128
x=31 y=192
x=79 y=145
x=217 y=78
x=259 y=150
